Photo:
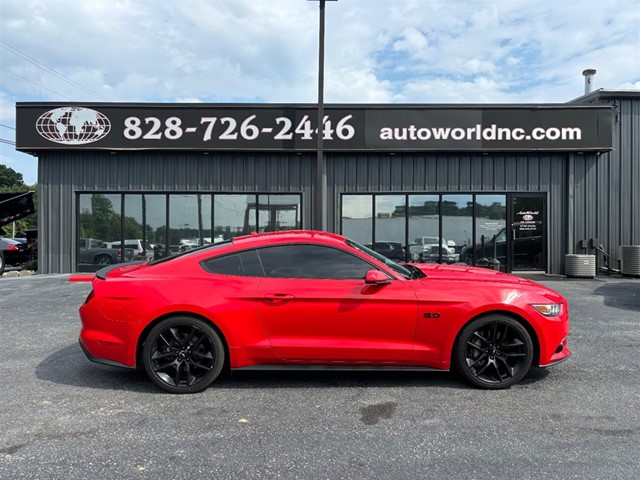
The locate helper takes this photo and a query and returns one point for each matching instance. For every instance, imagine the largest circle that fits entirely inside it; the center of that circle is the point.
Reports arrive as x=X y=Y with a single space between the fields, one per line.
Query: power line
x=7 y=126
x=8 y=142
x=50 y=70
x=31 y=81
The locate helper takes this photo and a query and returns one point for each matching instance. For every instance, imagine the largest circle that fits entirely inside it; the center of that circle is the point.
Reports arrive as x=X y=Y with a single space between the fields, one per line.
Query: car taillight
x=12 y=247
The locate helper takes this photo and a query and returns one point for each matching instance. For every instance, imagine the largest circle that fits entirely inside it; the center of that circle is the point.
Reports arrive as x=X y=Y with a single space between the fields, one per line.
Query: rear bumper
x=104 y=340
x=102 y=361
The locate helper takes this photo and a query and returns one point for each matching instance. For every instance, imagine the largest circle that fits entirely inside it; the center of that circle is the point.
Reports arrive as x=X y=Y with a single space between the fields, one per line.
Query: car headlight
x=549 y=310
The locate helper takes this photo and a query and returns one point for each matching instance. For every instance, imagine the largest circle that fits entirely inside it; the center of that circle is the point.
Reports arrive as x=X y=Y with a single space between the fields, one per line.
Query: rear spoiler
x=104 y=271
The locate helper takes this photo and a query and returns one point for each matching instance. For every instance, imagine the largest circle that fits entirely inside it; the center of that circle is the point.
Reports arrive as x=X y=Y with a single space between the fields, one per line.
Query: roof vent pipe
x=589 y=73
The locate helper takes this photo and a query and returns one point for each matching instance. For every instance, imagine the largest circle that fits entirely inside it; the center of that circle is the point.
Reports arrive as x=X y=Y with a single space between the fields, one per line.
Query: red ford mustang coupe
x=305 y=299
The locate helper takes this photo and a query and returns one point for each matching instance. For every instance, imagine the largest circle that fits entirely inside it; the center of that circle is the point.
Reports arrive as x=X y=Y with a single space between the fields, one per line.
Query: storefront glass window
x=242 y=214
x=189 y=221
x=100 y=224
x=155 y=223
x=133 y=216
x=424 y=228
x=357 y=218
x=457 y=225
x=491 y=237
x=233 y=215
x=278 y=212
x=390 y=224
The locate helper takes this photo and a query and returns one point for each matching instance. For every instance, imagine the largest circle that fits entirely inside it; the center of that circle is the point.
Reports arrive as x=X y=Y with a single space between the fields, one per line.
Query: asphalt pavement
x=63 y=417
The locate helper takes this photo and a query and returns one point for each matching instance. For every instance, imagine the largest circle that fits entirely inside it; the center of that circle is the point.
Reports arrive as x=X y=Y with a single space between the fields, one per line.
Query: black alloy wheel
x=494 y=352
x=183 y=355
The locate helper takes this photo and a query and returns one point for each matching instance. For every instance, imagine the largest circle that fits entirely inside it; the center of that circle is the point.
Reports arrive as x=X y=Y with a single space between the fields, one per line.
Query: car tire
x=2 y=263
x=183 y=355
x=493 y=352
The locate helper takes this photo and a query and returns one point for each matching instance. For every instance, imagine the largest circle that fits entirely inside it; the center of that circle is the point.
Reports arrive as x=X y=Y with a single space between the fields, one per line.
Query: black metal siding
x=63 y=174
x=607 y=204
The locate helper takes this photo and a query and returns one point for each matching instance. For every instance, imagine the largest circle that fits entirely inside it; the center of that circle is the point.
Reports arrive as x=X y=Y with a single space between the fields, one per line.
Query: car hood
x=435 y=271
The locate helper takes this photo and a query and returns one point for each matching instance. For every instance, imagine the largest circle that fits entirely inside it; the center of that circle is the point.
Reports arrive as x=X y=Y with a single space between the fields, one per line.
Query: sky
x=266 y=51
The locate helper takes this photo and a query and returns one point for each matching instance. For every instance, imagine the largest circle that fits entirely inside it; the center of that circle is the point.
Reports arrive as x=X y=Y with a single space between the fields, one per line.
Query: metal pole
x=321 y=172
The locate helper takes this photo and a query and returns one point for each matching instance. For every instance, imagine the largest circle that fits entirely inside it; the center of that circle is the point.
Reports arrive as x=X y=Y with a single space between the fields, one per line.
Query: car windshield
x=407 y=271
x=191 y=251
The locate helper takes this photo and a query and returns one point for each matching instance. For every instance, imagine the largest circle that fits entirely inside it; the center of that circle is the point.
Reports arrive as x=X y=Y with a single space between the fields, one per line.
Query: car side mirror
x=376 y=277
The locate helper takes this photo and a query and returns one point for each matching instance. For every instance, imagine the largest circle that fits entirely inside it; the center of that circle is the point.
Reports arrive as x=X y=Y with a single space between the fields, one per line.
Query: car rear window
x=211 y=246
x=244 y=264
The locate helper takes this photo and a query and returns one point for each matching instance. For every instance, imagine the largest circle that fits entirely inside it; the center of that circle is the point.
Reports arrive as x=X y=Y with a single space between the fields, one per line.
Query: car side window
x=245 y=264
x=311 y=261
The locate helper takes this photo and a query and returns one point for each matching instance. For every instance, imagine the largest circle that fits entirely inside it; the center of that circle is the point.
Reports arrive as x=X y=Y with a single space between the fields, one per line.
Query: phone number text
x=229 y=128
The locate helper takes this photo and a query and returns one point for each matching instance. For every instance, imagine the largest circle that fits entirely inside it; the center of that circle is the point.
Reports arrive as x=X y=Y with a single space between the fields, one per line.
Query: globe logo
x=73 y=125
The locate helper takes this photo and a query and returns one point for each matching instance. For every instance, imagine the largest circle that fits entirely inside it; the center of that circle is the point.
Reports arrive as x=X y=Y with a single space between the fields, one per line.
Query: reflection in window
x=357 y=216
x=133 y=218
x=457 y=225
x=233 y=215
x=242 y=214
x=390 y=222
x=189 y=221
x=491 y=219
x=241 y=264
x=155 y=223
x=311 y=261
x=424 y=228
x=100 y=224
x=278 y=212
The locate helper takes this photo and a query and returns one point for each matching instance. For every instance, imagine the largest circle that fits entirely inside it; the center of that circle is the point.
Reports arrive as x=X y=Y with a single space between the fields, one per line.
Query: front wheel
x=493 y=352
x=183 y=355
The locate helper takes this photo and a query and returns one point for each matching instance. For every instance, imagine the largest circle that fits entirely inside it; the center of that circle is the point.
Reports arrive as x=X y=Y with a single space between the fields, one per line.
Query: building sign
x=529 y=220
x=210 y=127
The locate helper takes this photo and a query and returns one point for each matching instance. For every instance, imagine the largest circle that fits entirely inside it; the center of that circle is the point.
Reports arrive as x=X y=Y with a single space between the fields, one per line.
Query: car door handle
x=274 y=298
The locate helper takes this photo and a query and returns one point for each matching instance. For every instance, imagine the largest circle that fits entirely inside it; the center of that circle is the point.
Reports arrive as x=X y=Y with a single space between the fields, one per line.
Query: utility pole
x=320 y=218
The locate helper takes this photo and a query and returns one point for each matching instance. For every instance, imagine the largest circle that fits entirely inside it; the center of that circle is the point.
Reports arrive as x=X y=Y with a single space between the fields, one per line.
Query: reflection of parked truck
x=95 y=252
x=423 y=246
x=141 y=250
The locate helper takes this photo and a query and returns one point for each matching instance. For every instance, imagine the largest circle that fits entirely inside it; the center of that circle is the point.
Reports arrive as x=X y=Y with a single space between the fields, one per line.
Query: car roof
x=289 y=236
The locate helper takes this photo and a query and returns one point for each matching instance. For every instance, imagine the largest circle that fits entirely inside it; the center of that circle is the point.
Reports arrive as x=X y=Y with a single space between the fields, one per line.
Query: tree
x=10 y=179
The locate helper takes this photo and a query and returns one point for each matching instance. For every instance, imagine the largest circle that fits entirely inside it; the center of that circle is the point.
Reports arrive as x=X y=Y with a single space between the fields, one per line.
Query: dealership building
x=514 y=187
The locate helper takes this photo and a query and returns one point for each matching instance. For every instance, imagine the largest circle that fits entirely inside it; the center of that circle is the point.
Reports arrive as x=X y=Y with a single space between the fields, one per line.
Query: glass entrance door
x=528 y=232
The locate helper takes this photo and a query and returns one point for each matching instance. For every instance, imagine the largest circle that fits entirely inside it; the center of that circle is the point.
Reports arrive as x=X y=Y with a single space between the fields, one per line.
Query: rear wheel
x=2 y=263
x=183 y=355
x=494 y=352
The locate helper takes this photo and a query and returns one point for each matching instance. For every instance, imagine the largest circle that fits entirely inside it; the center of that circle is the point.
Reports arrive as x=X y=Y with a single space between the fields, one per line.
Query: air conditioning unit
x=630 y=260
x=580 y=266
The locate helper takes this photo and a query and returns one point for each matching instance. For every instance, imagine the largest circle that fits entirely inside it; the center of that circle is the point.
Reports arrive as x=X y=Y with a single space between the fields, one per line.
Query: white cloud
x=412 y=40
x=477 y=66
